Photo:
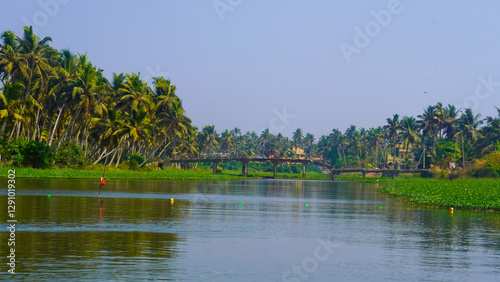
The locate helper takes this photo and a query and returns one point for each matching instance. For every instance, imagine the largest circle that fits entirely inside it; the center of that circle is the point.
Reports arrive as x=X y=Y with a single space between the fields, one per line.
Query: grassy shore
x=112 y=173
x=461 y=193
x=169 y=173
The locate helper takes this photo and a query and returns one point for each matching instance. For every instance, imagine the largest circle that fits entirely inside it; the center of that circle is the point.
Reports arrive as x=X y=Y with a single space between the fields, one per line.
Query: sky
x=315 y=65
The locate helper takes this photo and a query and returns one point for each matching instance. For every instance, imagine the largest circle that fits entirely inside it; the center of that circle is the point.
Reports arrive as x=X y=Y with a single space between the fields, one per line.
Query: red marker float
x=102 y=182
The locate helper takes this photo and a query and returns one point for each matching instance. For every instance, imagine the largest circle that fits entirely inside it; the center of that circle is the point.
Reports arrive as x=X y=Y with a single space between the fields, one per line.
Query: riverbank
x=169 y=173
x=481 y=194
x=114 y=173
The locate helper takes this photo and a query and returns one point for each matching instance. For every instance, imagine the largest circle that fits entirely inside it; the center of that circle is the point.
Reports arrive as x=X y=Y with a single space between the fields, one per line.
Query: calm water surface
x=282 y=231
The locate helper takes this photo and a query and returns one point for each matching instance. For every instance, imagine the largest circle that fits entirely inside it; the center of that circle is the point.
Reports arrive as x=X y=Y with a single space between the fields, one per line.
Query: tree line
x=438 y=136
x=59 y=98
x=55 y=105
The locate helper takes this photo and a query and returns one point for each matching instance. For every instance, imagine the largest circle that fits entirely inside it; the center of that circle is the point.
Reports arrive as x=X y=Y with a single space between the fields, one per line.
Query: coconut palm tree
x=11 y=104
x=236 y=131
x=374 y=140
x=13 y=66
x=309 y=144
x=409 y=132
x=208 y=139
x=226 y=141
x=265 y=141
x=39 y=59
x=134 y=93
x=468 y=129
x=297 y=137
x=393 y=127
x=490 y=134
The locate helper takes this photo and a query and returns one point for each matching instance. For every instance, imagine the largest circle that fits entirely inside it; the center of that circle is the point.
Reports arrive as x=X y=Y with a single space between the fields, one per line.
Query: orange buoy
x=451 y=210
x=102 y=181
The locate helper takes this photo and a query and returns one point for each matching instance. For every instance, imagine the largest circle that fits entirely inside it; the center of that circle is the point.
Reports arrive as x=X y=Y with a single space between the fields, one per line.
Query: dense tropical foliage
x=58 y=108
x=52 y=98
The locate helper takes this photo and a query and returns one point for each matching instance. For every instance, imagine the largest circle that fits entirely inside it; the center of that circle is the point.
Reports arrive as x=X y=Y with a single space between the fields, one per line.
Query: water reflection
x=96 y=254
x=135 y=231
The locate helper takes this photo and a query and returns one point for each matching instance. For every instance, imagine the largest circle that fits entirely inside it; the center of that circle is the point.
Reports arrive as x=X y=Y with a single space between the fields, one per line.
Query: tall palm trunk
x=61 y=112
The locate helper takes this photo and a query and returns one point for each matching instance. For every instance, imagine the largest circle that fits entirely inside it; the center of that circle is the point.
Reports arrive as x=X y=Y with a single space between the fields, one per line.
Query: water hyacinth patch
x=463 y=193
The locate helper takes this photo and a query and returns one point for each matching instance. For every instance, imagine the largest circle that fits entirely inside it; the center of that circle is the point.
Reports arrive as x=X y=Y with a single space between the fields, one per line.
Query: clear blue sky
x=247 y=61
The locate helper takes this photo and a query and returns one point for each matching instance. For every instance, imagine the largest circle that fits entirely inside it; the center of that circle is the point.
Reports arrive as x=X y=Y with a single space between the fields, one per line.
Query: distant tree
x=393 y=126
x=409 y=132
x=297 y=138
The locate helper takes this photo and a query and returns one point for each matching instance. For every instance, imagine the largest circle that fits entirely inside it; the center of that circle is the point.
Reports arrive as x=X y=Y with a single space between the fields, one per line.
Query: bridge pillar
x=333 y=176
x=275 y=170
x=394 y=175
x=214 y=167
x=364 y=173
x=244 y=169
x=303 y=170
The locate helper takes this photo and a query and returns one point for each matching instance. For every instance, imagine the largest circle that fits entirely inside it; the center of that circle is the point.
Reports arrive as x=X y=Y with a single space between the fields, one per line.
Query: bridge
x=276 y=161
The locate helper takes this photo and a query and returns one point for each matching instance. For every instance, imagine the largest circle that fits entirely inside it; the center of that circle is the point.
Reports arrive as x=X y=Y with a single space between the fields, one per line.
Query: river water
x=249 y=230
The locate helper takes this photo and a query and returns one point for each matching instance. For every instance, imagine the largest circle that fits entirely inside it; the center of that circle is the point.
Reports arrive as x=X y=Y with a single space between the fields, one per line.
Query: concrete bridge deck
x=333 y=171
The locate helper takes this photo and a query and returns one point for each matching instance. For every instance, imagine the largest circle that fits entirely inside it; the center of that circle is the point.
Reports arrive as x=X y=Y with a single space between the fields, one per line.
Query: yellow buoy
x=171 y=200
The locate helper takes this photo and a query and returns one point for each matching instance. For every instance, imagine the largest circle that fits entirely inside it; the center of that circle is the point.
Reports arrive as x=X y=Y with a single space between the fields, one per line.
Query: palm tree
x=105 y=134
x=468 y=125
x=409 y=132
x=236 y=131
x=338 y=140
x=309 y=144
x=324 y=146
x=85 y=88
x=490 y=133
x=355 y=140
x=39 y=58
x=10 y=108
x=429 y=126
x=134 y=93
x=13 y=66
x=226 y=141
x=297 y=138
x=136 y=129
x=208 y=139
x=393 y=126
x=374 y=139
x=265 y=142
x=450 y=115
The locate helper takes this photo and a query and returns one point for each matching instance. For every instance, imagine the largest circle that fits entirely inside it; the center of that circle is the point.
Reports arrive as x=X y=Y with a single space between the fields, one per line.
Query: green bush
x=36 y=155
x=138 y=158
x=70 y=155
x=29 y=153
x=284 y=169
x=488 y=166
x=15 y=151
x=133 y=164
x=409 y=175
